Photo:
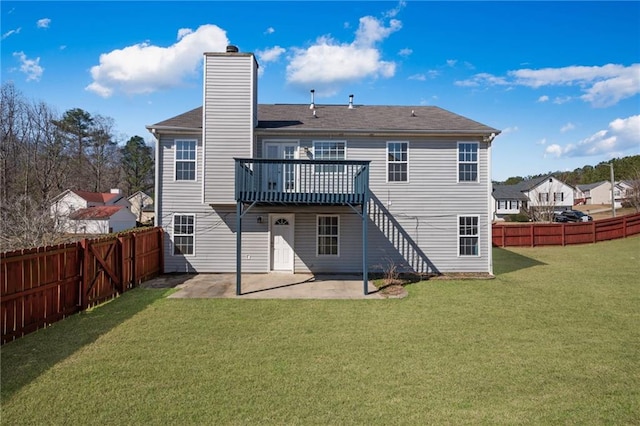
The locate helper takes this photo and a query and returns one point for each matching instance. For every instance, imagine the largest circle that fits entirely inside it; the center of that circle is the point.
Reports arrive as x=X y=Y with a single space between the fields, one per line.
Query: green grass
x=554 y=339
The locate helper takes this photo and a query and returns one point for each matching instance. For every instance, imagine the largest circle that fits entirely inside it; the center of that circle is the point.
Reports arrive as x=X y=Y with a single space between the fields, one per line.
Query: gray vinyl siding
x=230 y=116
x=412 y=224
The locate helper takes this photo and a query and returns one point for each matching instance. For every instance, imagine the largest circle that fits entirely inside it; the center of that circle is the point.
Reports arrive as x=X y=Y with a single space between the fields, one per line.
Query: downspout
x=489 y=208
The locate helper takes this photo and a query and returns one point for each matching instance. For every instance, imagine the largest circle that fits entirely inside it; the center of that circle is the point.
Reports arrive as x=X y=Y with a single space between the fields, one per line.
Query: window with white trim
x=467 y=162
x=328 y=235
x=185 y=161
x=468 y=235
x=397 y=161
x=183 y=234
x=558 y=196
x=543 y=197
x=329 y=150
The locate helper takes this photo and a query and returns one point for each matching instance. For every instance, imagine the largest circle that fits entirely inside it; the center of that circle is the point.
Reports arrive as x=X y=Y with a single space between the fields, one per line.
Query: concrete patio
x=265 y=286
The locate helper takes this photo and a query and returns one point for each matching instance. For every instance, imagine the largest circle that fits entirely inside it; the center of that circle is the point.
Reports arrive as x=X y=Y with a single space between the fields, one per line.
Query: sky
x=561 y=80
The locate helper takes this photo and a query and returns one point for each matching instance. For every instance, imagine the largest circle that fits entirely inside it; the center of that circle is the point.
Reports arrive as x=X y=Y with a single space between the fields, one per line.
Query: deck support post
x=238 y=248
x=365 y=243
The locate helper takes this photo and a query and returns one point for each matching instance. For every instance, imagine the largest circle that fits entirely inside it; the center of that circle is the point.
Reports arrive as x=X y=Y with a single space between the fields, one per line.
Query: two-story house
x=541 y=197
x=88 y=212
x=247 y=187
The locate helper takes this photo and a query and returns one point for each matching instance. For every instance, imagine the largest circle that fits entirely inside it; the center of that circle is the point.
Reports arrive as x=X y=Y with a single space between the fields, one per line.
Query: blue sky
x=560 y=79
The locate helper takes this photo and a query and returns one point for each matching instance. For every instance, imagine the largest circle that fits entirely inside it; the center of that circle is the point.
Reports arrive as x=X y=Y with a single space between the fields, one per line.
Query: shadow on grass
x=505 y=261
x=26 y=358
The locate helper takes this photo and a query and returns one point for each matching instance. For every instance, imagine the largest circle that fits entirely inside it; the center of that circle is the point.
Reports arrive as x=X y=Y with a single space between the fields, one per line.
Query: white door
x=279 y=177
x=282 y=242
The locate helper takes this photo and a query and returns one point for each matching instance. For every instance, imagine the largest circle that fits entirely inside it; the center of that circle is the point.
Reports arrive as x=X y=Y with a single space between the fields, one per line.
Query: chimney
x=232 y=49
x=116 y=191
x=313 y=105
x=350 y=101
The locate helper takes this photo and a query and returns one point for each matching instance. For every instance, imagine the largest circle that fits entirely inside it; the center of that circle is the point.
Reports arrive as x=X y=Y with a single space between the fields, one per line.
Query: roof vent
x=350 y=101
x=313 y=105
x=413 y=113
x=232 y=49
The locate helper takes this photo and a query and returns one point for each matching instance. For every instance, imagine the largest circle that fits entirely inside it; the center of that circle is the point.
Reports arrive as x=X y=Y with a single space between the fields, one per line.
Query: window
x=397 y=161
x=558 y=196
x=467 y=161
x=329 y=150
x=543 y=197
x=328 y=239
x=185 y=160
x=468 y=235
x=183 y=234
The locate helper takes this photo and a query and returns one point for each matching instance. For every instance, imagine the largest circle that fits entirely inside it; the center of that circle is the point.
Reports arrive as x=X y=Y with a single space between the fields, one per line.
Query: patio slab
x=265 y=286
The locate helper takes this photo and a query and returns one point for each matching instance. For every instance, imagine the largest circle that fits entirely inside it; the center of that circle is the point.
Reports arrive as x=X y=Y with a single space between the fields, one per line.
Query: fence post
x=161 y=235
x=532 y=234
x=593 y=227
x=624 y=227
x=84 y=286
x=504 y=239
x=121 y=261
x=134 y=260
x=563 y=234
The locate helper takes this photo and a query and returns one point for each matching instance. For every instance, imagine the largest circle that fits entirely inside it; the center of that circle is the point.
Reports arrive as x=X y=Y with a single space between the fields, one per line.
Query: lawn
x=554 y=339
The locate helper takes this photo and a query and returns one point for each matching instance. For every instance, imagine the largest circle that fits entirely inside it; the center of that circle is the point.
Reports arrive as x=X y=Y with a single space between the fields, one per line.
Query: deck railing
x=301 y=181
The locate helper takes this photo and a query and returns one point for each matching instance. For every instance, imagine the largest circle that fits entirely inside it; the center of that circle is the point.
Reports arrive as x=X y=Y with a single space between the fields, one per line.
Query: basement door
x=281 y=231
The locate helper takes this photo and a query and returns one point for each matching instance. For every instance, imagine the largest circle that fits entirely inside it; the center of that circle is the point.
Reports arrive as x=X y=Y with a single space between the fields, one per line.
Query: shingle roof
x=99 y=212
x=508 y=192
x=370 y=118
x=590 y=186
x=97 y=197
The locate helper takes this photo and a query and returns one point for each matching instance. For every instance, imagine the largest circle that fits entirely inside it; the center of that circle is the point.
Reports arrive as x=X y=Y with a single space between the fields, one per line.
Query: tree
x=102 y=155
x=137 y=165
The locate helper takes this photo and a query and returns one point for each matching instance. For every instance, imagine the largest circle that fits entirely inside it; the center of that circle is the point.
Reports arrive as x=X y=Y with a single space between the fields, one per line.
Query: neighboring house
x=594 y=193
x=600 y=192
x=242 y=187
x=142 y=206
x=92 y=212
x=541 y=196
x=508 y=200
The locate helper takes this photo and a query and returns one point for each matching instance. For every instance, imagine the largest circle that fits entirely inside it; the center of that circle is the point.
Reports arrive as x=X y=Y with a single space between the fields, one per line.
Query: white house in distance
x=543 y=195
x=86 y=212
x=141 y=206
x=248 y=187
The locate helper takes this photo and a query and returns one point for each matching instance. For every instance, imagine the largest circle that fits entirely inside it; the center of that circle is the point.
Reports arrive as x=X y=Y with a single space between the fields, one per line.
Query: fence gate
x=101 y=276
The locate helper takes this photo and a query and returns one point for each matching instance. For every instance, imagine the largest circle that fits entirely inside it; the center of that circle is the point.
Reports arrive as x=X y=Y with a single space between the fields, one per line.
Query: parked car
x=572 y=216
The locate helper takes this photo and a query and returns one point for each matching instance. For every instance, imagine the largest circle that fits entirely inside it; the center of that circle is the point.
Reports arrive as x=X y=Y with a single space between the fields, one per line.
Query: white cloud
x=567 y=127
x=622 y=135
x=43 y=23
x=395 y=11
x=542 y=141
x=11 y=32
x=452 y=62
x=182 y=32
x=559 y=100
x=602 y=86
x=424 y=76
x=144 y=68
x=270 y=30
x=482 y=79
x=270 y=55
x=405 y=52
x=509 y=130
x=30 y=67
x=327 y=64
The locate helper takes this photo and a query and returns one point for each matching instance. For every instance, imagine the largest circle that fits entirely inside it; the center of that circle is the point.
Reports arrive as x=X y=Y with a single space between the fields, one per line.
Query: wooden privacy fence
x=556 y=234
x=43 y=285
